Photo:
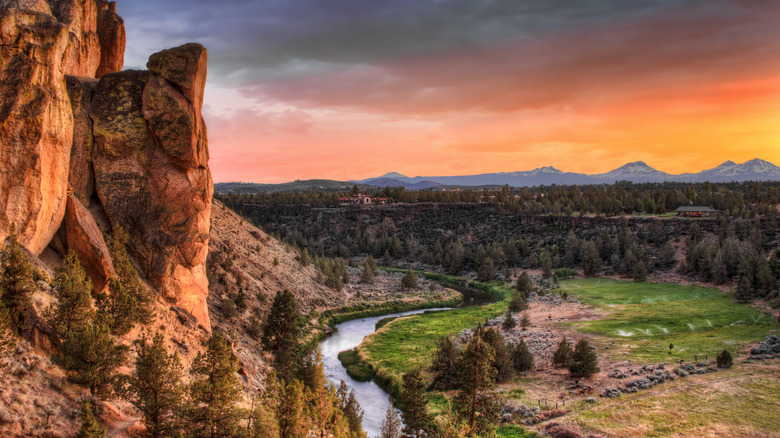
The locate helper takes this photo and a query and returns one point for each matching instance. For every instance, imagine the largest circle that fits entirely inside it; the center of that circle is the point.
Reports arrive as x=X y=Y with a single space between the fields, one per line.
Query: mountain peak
x=393 y=175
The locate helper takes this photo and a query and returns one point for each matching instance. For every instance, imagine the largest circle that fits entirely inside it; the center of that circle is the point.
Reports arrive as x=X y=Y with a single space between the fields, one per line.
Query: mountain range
x=638 y=172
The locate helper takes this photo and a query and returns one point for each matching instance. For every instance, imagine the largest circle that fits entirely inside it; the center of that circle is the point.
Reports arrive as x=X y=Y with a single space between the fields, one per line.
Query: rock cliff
x=77 y=132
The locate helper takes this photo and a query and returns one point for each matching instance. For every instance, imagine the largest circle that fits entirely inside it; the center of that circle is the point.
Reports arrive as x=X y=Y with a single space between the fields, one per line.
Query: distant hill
x=639 y=172
x=319 y=185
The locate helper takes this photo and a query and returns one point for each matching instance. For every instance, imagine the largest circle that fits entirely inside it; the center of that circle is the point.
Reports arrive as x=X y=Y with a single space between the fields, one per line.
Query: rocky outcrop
x=151 y=169
x=135 y=138
x=82 y=235
x=36 y=125
x=111 y=34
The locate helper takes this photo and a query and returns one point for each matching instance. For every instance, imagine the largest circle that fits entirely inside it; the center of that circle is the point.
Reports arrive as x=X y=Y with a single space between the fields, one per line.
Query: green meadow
x=647 y=317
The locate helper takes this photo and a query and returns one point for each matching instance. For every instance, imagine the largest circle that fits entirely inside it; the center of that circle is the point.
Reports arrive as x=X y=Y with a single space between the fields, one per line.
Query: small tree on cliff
x=73 y=310
x=280 y=333
x=214 y=392
x=155 y=386
x=90 y=357
x=16 y=280
x=90 y=428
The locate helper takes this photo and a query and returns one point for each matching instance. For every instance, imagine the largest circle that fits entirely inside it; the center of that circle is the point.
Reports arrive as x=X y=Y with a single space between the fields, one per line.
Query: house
x=356 y=200
x=695 y=211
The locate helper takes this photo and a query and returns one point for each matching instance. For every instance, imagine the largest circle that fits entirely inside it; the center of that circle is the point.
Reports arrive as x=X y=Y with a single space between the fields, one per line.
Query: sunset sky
x=350 y=89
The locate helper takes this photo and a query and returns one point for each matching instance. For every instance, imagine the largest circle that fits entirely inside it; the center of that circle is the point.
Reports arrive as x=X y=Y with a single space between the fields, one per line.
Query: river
x=372 y=398
x=348 y=335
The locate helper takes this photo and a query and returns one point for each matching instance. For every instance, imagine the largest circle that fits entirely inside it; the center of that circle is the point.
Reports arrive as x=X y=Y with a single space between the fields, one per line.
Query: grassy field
x=742 y=401
x=647 y=317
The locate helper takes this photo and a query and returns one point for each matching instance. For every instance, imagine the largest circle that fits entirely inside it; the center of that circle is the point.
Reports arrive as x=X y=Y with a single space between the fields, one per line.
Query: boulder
x=151 y=170
x=35 y=123
x=81 y=177
x=83 y=236
x=112 y=37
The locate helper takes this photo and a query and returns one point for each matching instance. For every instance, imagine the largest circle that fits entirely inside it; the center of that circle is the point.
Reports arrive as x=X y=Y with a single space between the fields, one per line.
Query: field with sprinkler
x=646 y=318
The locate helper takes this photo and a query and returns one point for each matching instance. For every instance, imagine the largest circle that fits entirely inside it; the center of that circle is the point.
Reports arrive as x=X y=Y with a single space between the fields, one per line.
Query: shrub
x=725 y=360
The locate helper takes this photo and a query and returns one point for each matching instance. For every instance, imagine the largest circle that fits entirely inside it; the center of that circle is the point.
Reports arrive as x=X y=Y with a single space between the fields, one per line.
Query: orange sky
x=683 y=89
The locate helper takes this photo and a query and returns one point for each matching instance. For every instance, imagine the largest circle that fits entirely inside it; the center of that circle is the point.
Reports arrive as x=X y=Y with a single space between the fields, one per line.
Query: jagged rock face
x=111 y=34
x=35 y=124
x=83 y=236
x=81 y=178
x=151 y=169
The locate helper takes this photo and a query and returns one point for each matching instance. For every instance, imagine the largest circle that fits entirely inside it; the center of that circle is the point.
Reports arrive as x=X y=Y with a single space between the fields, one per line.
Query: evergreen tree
x=744 y=290
x=639 y=271
x=572 y=246
x=547 y=266
x=522 y=359
x=90 y=358
x=584 y=362
x=117 y=308
x=281 y=331
x=214 y=392
x=391 y=425
x=591 y=263
x=371 y=262
x=264 y=422
x=766 y=279
x=409 y=280
x=476 y=402
x=487 y=270
x=155 y=386
x=562 y=356
x=502 y=361
x=518 y=303
x=367 y=275
x=666 y=256
x=137 y=305
x=414 y=404
x=16 y=280
x=292 y=412
x=724 y=359
x=90 y=428
x=525 y=321
x=351 y=409
x=524 y=284
x=719 y=272
x=444 y=365
x=73 y=310
x=509 y=322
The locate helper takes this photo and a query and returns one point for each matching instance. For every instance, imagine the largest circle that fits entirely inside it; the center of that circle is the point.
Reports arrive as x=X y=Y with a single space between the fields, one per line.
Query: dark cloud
x=252 y=41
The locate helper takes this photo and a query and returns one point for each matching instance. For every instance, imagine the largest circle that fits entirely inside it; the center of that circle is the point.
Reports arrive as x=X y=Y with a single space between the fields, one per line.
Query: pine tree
x=591 y=263
x=136 y=303
x=414 y=404
x=155 y=386
x=522 y=359
x=264 y=422
x=719 y=272
x=525 y=321
x=444 y=365
x=524 y=284
x=367 y=275
x=572 y=246
x=117 y=308
x=90 y=428
x=724 y=359
x=371 y=263
x=292 y=412
x=351 y=409
x=214 y=392
x=476 y=403
x=639 y=271
x=766 y=279
x=90 y=357
x=280 y=333
x=391 y=425
x=73 y=310
x=16 y=280
x=502 y=361
x=584 y=362
x=562 y=356
x=546 y=263
x=518 y=303
x=409 y=280
x=486 y=270
x=509 y=322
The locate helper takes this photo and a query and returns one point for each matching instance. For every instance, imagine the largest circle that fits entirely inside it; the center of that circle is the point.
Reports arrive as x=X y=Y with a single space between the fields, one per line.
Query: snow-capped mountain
x=638 y=171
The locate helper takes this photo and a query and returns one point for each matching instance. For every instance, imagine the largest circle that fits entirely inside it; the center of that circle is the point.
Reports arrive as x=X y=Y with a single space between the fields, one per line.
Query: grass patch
x=515 y=393
x=354 y=367
x=649 y=316
x=512 y=431
x=735 y=402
